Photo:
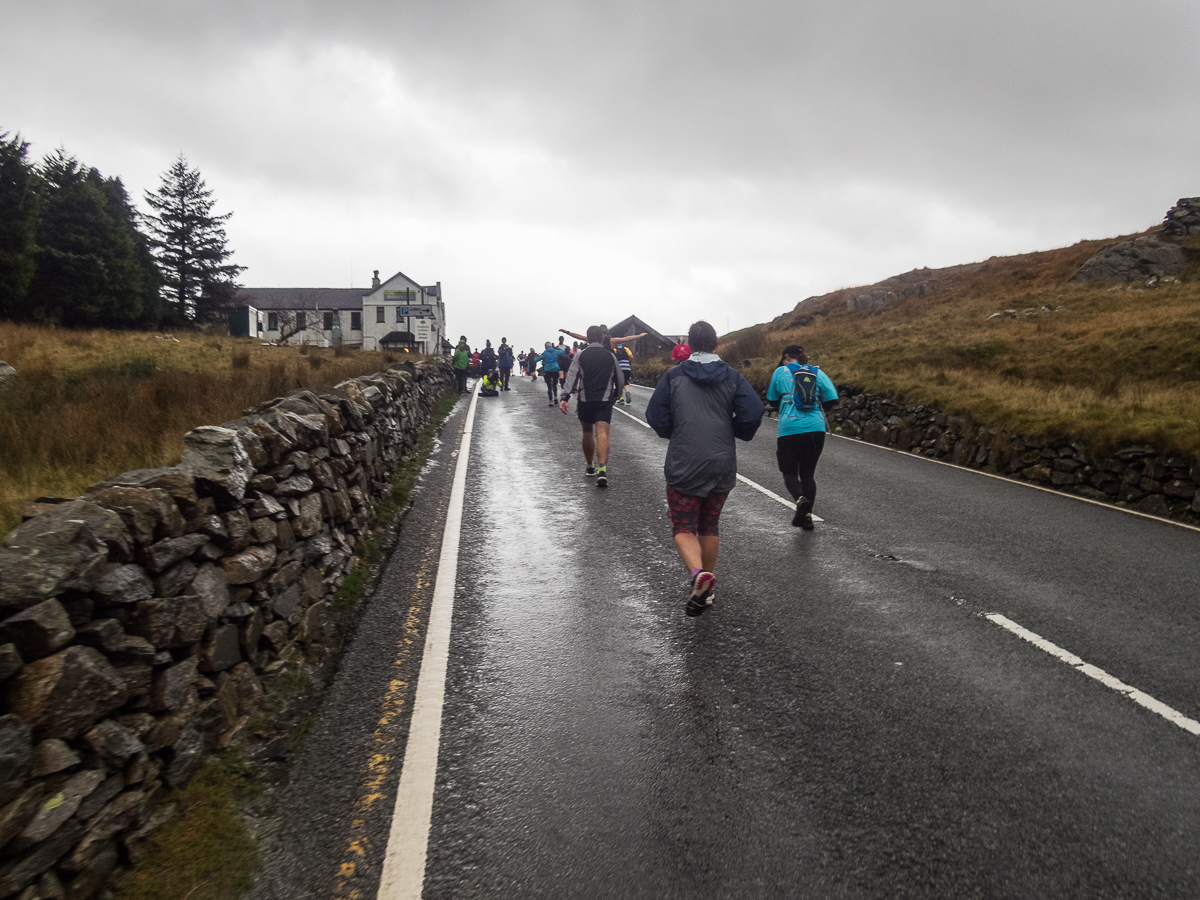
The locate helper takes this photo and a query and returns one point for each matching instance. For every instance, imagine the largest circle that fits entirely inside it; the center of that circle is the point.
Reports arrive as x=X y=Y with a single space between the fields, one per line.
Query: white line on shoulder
x=1100 y=675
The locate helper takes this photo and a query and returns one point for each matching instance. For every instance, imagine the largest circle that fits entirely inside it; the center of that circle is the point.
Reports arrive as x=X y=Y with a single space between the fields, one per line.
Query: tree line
x=76 y=252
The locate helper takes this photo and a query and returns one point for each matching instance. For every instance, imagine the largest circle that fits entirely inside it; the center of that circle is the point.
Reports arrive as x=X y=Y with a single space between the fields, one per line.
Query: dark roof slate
x=302 y=298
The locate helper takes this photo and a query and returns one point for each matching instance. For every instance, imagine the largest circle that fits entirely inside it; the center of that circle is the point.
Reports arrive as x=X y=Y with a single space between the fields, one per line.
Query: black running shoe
x=807 y=523
x=701 y=597
x=602 y=477
x=590 y=470
x=803 y=511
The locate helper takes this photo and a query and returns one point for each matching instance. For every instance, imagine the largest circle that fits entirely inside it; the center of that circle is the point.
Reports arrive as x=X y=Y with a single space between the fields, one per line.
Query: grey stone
x=249 y=565
x=112 y=744
x=137 y=649
x=264 y=531
x=249 y=632
x=211 y=585
x=222 y=651
x=150 y=514
x=22 y=871
x=287 y=604
x=16 y=756
x=189 y=753
x=61 y=550
x=240 y=694
x=1134 y=260
x=216 y=458
x=166 y=553
x=295 y=486
x=56 y=809
x=308 y=521
x=237 y=525
x=39 y=630
x=285 y=539
x=94 y=875
x=10 y=661
x=265 y=505
x=276 y=635
x=53 y=755
x=175 y=580
x=14 y=816
x=137 y=678
x=121 y=584
x=174 y=686
x=109 y=788
x=103 y=634
x=61 y=695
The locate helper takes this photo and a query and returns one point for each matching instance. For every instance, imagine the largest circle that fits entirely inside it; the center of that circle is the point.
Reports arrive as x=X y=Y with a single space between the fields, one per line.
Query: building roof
x=302 y=298
x=634 y=325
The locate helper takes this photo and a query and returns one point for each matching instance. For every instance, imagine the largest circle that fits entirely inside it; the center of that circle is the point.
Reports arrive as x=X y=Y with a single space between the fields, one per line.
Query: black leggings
x=551 y=385
x=797 y=455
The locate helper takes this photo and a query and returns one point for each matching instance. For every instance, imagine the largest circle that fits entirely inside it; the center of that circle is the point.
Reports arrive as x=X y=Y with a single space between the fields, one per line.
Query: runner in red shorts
x=701 y=405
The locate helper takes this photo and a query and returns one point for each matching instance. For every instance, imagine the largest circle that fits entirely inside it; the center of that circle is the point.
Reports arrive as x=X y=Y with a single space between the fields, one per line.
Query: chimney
x=375 y=279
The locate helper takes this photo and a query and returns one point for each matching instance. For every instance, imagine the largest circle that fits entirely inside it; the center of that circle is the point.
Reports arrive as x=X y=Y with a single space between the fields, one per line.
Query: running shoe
x=807 y=522
x=590 y=470
x=701 y=597
x=628 y=399
x=803 y=512
x=602 y=477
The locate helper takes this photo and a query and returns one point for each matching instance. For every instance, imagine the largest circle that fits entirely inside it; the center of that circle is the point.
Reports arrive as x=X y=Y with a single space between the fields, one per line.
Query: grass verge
x=205 y=851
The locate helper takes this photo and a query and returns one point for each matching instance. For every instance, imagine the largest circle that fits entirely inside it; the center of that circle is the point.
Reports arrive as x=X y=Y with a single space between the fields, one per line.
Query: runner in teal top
x=801 y=435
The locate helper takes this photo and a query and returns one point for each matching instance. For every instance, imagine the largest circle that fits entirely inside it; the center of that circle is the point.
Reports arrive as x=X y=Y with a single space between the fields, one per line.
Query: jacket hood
x=708 y=373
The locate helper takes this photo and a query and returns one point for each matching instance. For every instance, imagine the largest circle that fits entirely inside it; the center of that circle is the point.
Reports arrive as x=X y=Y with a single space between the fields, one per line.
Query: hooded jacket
x=701 y=407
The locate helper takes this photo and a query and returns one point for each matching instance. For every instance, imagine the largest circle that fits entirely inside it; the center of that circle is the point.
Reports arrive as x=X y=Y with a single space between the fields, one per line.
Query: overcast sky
x=556 y=163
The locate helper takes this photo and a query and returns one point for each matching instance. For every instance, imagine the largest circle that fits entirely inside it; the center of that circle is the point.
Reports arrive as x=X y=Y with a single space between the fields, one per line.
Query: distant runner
x=599 y=379
x=625 y=361
x=550 y=372
x=702 y=404
x=805 y=394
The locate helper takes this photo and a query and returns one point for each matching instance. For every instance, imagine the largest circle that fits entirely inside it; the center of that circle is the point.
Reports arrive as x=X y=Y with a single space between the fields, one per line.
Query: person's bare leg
x=690 y=552
x=709 y=543
x=589 y=444
x=602 y=443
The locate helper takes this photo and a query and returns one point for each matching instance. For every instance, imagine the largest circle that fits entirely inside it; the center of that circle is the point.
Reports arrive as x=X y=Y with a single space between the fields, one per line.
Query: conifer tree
x=93 y=266
x=190 y=245
x=19 y=195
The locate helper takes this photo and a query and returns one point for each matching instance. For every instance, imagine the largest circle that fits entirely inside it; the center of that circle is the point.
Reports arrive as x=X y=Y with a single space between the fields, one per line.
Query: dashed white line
x=1100 y=675
x=408 y=839
x=742 y=478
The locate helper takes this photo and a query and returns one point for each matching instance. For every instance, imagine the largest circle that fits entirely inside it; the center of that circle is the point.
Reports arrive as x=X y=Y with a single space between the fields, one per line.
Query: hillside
x=1107 y=363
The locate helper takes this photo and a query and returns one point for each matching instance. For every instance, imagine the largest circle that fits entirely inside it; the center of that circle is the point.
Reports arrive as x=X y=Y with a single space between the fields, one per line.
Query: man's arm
x=747 y=410
x=578 y=337
x=573 y=375
x=631 y=337
x=658 y=410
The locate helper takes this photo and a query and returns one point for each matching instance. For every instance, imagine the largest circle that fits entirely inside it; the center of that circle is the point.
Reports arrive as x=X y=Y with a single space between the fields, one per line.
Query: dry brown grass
x=91 y=404
x=1119 y=365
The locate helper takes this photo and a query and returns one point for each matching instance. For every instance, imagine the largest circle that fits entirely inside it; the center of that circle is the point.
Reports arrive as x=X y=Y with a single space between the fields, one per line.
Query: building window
x=399 y=318
x=329 y=321
x=260 y=324
x=356 y=321
x=272 y=321
x=301 y=324
x=380 y=313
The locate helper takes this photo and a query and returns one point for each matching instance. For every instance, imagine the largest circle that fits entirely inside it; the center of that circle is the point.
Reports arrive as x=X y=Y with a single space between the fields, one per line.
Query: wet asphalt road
x=843 y=723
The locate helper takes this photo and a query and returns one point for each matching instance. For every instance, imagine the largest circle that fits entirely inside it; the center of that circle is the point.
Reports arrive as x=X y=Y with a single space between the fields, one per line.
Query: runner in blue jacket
x=549 y=360
x=801 y=434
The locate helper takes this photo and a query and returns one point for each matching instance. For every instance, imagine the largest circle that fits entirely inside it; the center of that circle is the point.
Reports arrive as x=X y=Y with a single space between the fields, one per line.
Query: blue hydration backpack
x=805 y=397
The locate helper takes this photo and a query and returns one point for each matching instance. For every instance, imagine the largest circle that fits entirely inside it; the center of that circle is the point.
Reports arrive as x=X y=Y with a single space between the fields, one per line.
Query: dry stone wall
x=137 y=622
x=1140 y=476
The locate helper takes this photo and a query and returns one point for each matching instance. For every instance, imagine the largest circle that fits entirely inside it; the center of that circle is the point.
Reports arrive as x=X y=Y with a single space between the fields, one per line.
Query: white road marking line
x=1100 y=675
x=408 y=839
x=1016 y=481
x=742 y=478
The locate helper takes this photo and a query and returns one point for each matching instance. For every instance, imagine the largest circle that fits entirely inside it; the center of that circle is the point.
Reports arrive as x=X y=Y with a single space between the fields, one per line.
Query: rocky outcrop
x=7 y=375
x=1139 y=476
x=1183 y=219
x=139 y=622
x=909 y=286
x=1140 y=259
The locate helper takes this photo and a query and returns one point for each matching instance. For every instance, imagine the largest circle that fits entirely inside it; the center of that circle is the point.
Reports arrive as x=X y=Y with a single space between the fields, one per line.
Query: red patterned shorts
x=695 y=515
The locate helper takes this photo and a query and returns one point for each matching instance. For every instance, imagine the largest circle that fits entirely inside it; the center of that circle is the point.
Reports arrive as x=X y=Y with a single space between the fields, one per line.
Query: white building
x=394 y=314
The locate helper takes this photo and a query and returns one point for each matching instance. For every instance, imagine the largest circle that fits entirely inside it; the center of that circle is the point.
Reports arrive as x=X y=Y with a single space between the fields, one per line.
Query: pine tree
x=19 y=195
x=93 y=266
x=190 y=245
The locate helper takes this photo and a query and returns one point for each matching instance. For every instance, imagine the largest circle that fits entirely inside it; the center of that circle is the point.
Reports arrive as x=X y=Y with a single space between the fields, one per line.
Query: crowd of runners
x=701 y=405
